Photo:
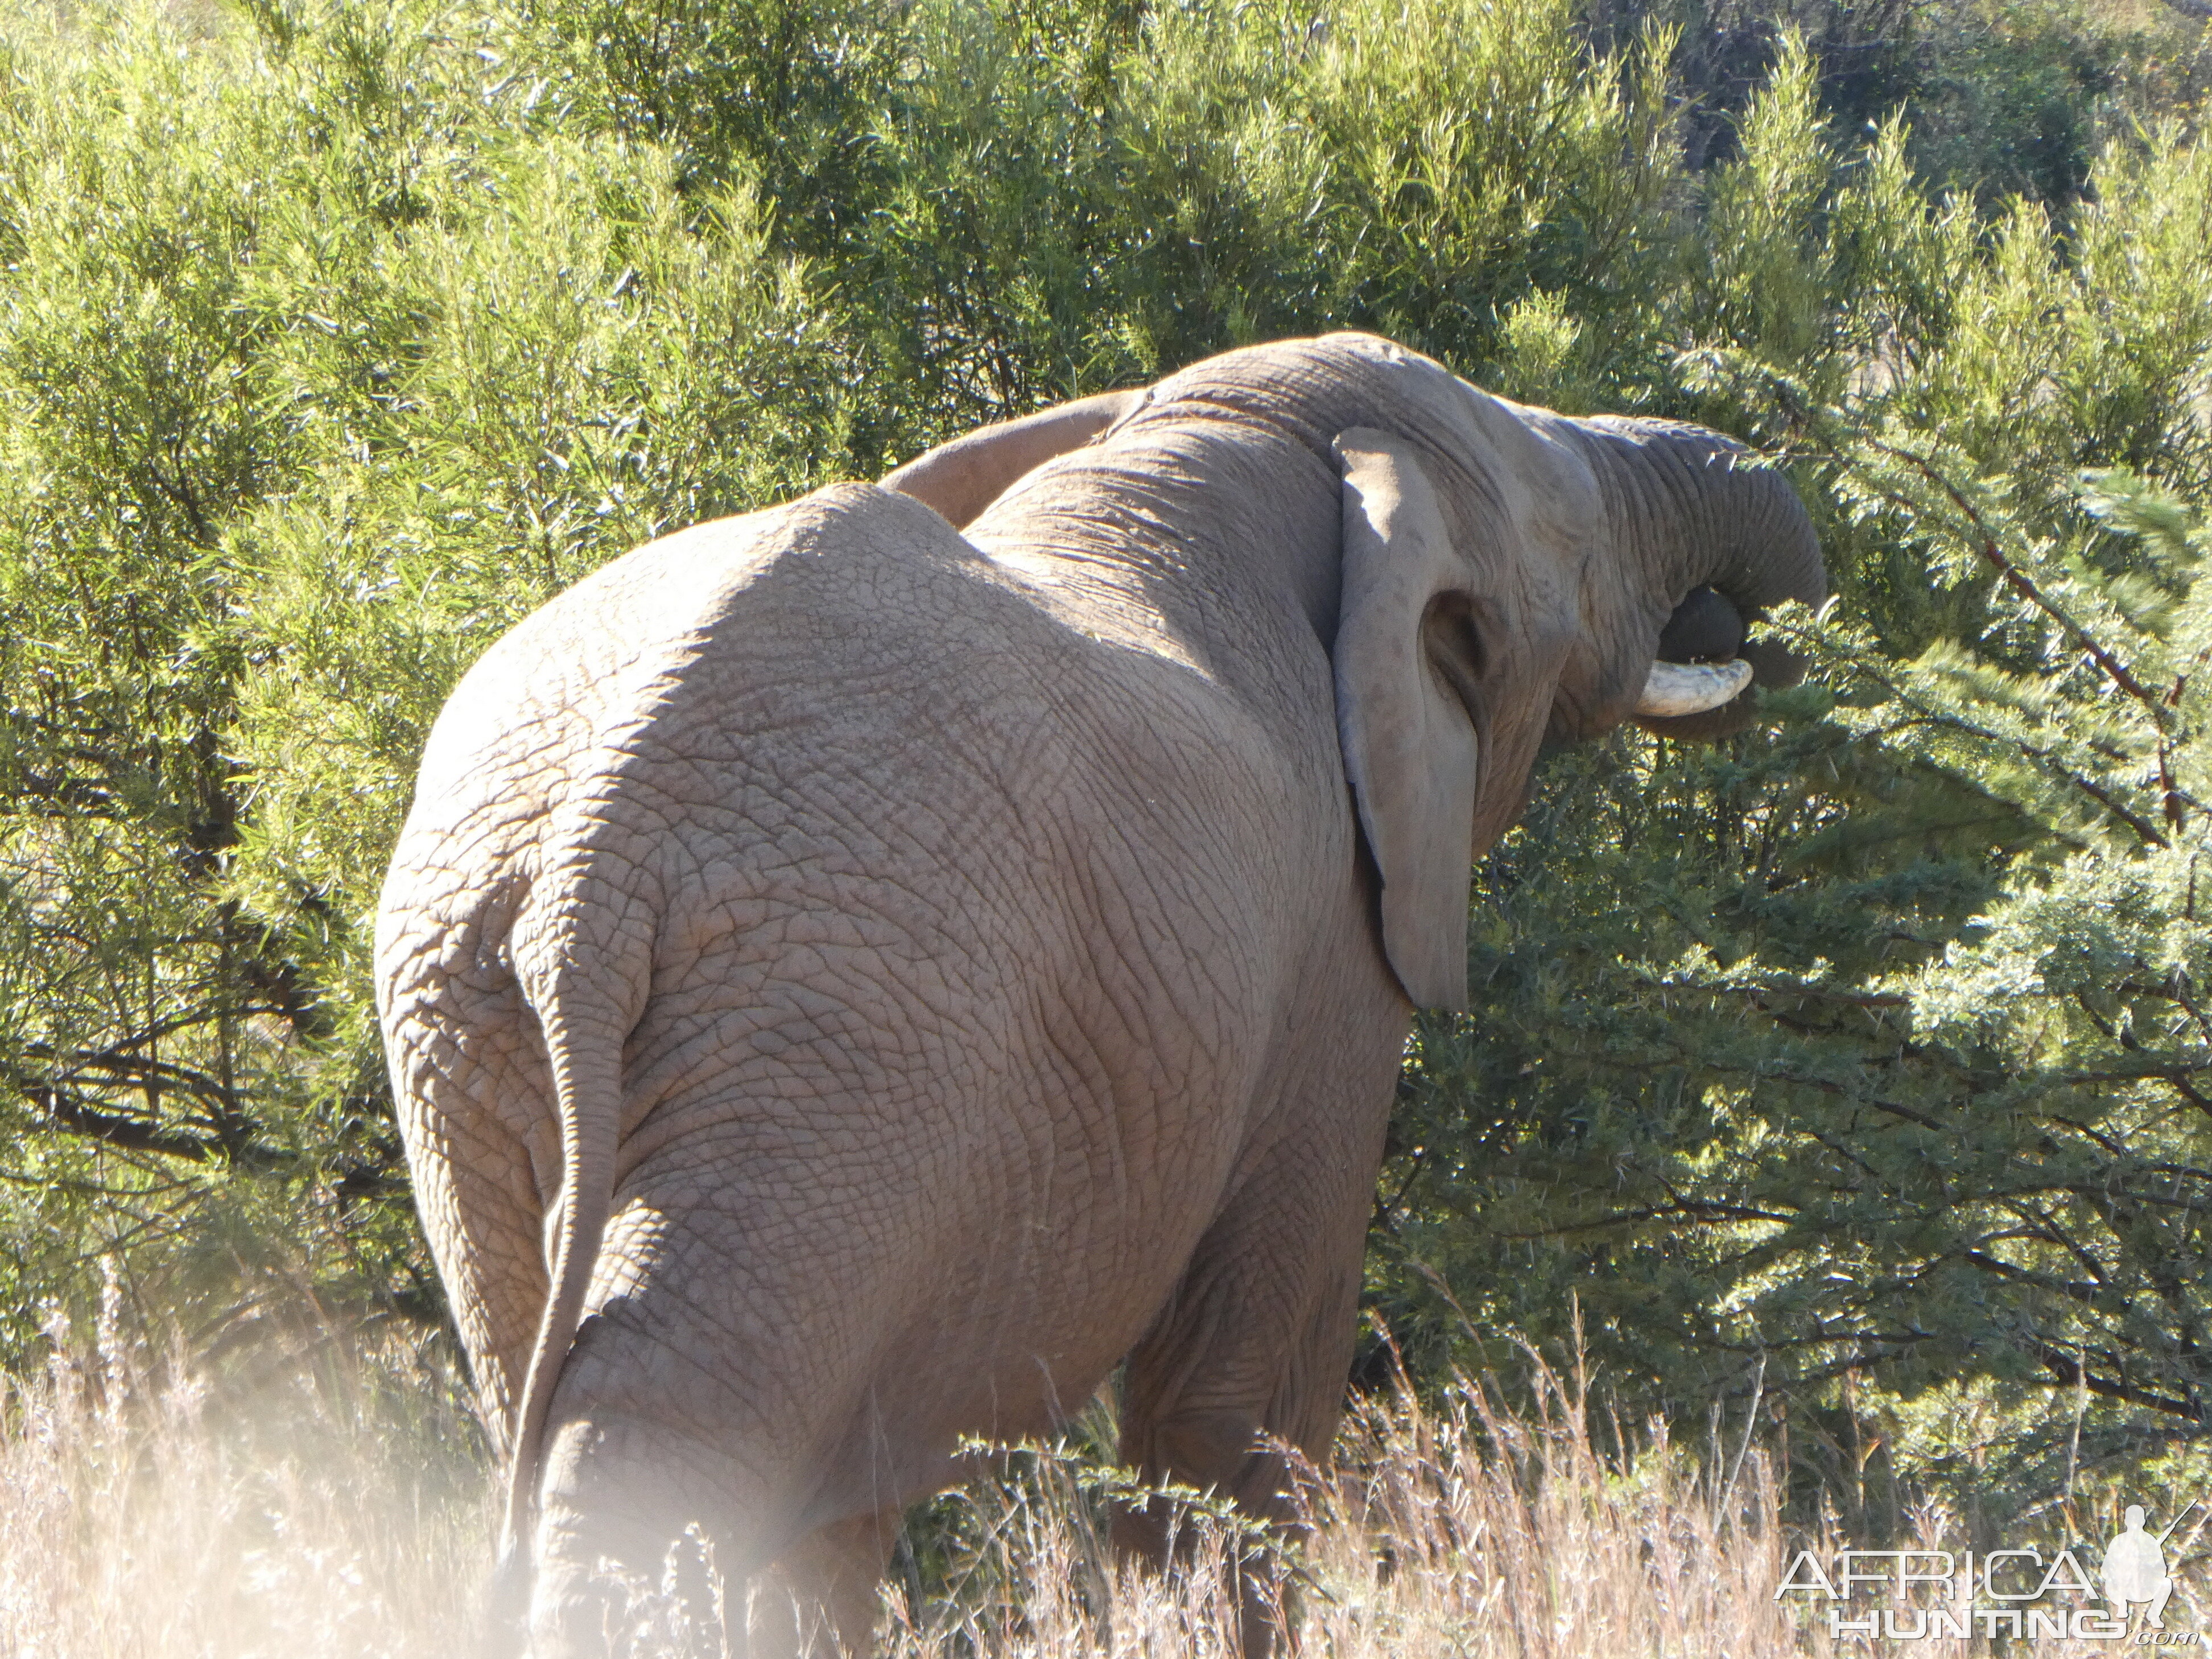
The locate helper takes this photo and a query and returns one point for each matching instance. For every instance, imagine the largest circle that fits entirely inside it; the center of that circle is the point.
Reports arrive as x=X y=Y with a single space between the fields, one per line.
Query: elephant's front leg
x=1253 y=1349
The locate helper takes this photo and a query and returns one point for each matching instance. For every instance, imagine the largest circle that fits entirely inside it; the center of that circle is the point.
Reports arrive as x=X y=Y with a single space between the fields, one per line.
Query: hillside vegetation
x=1852 y=1077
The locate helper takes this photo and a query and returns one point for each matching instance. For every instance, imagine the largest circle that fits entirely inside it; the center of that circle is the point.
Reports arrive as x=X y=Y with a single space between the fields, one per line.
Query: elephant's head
x=1510 y=574
x=1503 y=575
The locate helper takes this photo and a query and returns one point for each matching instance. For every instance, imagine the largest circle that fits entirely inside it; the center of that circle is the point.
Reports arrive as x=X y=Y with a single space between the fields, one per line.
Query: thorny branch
x=2022 y=584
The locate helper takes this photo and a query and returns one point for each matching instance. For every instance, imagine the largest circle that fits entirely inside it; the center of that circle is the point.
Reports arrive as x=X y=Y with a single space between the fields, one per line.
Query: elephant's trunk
x=1719 y=539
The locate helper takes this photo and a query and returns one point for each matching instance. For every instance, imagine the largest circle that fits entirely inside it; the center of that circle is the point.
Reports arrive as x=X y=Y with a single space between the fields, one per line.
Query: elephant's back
x=834 y=717
x=940 y=884
x=586 y=663
x=651 y=717
x=920 y=838
x=578 y=692
x=961 y=908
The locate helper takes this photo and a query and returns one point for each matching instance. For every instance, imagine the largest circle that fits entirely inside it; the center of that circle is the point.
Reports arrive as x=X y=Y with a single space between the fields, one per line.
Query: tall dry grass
x=336 y=1505
x=325 y=1499
x=1465 y=1531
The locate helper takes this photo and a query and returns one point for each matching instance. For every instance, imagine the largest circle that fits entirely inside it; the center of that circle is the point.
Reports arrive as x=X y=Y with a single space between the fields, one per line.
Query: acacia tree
x=1877 y=1100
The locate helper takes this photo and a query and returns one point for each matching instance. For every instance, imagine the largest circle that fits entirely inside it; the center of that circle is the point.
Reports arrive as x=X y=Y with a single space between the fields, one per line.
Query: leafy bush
x=320 y=365
x=1883 y=1069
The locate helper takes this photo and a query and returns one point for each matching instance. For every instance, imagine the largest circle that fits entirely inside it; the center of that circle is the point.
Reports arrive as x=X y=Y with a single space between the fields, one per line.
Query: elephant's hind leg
x=472 y=1087
x=821 y=1598
x=645 y=1538
x=696 y=1396
x=631 y=1526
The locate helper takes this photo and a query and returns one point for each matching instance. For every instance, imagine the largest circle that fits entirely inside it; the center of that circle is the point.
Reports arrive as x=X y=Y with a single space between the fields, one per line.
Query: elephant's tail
x=587 y=1085
x=578 y=954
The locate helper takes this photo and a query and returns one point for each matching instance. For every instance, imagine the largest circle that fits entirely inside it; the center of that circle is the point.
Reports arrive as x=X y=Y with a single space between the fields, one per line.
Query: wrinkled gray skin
x=849 y=982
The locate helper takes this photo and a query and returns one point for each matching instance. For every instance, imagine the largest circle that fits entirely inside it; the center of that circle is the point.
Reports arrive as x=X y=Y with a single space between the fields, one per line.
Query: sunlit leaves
x=319 y=369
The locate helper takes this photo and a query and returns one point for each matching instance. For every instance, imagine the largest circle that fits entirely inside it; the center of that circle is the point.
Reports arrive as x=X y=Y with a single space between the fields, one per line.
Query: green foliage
x=777 y=91
x=319 y=369
x=2007 y=97
x=1854 y=1063
x=2015 y=99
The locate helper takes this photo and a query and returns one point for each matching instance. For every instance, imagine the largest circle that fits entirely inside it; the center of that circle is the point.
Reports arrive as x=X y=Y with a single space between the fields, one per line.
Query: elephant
x=855 y=973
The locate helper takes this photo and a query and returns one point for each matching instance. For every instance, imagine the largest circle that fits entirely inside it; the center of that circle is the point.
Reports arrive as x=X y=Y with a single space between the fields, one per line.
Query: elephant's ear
x=959 y=479
x=1410 y=746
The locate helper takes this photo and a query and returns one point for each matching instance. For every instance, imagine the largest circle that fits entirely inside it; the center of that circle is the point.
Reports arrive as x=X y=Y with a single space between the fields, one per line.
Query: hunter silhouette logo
x=2014 y=1593
x=2134 y=1568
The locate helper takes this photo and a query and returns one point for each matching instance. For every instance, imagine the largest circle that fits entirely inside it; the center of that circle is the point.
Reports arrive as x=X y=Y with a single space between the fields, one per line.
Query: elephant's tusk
x=1677 y=687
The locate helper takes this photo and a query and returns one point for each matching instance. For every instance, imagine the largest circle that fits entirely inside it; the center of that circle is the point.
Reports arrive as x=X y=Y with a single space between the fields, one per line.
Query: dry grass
x=337 y=1506
x=1468 y=1531
x=327 y=1503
